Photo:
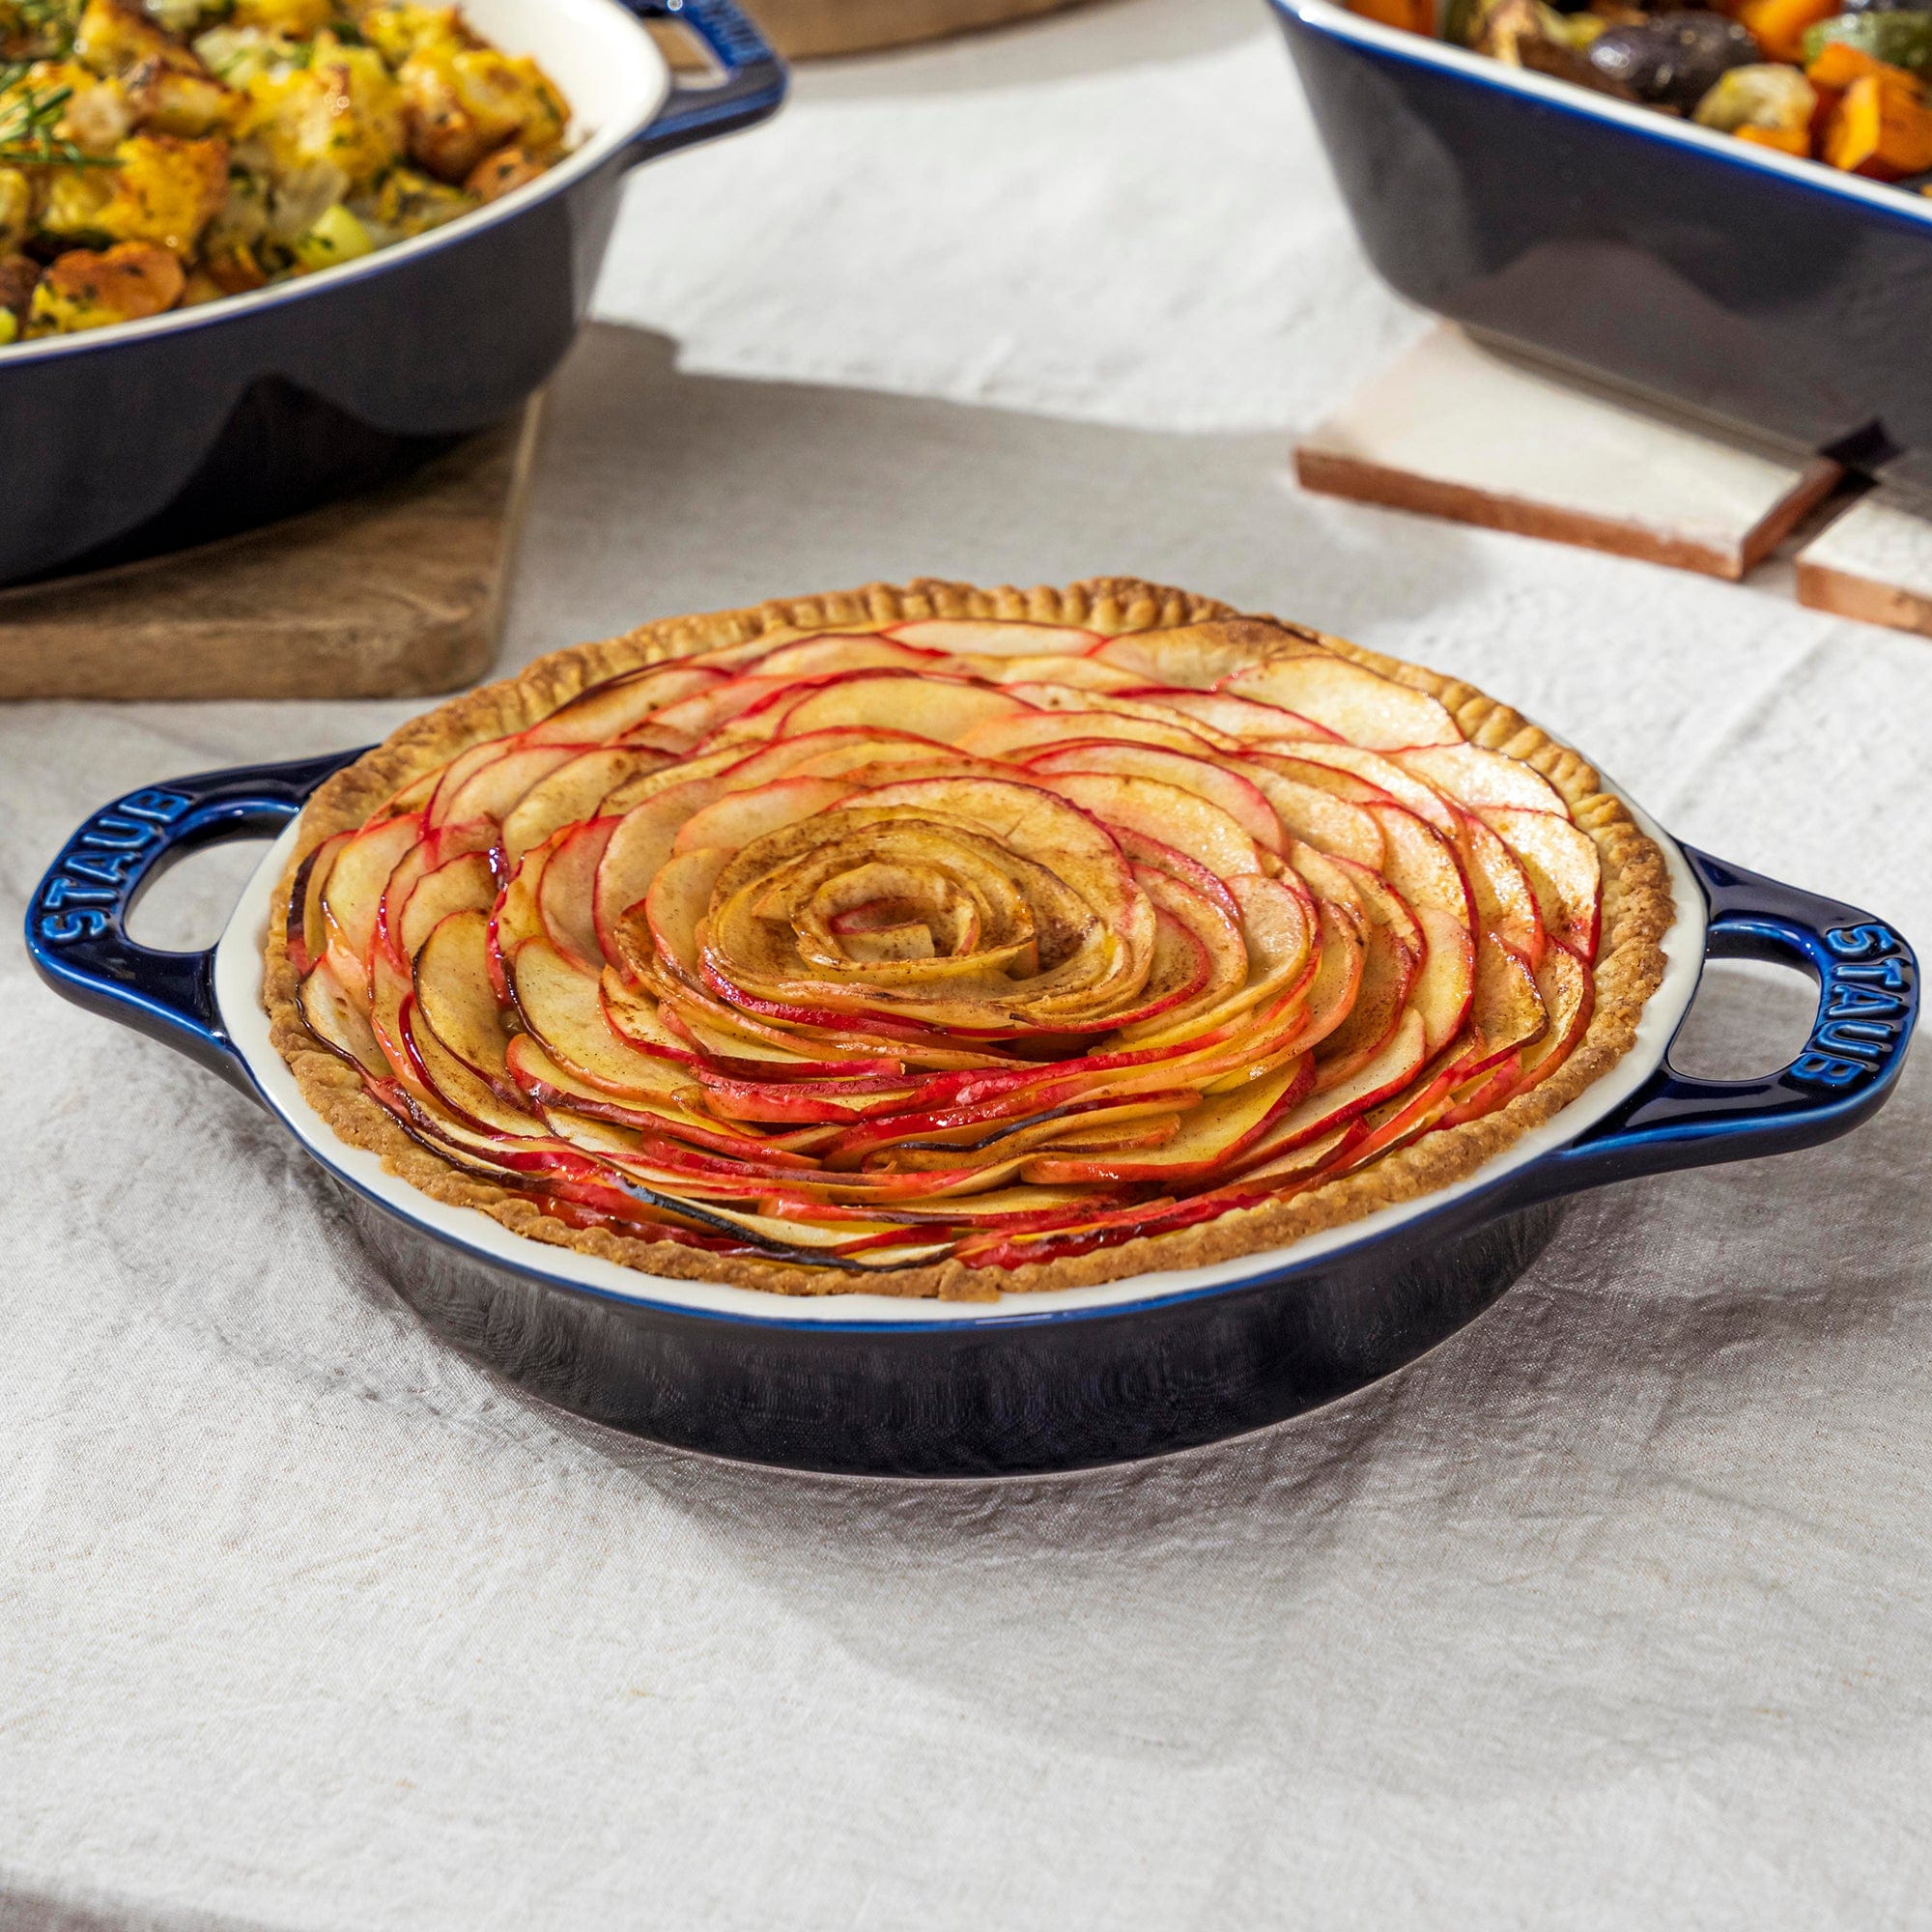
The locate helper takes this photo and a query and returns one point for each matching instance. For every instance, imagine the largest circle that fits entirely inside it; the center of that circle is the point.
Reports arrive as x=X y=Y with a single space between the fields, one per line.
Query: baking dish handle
x=78 y=919
x=751 y=90
x=1867 y=1005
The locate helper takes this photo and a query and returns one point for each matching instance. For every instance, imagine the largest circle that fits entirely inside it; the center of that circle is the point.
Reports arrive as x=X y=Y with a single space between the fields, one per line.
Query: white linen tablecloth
x=1616 y=1611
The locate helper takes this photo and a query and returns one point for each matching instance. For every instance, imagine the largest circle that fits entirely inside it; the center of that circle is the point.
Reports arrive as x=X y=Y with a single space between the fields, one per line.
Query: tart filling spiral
x=991 y=941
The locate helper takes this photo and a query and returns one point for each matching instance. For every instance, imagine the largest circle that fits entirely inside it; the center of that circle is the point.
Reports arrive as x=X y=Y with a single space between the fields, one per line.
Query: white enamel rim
x=238 y=992
x=597 y=52
x=1338 y=25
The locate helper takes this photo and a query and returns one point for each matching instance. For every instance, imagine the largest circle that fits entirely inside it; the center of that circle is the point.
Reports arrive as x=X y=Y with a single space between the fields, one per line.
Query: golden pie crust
x=1637 y=910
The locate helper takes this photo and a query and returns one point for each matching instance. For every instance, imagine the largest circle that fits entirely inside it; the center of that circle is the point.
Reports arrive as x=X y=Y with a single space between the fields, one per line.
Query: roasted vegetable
x=1780 y=27
x=1672 y=60
x=180 y=150
x=1898 y=39
x=1767 y=102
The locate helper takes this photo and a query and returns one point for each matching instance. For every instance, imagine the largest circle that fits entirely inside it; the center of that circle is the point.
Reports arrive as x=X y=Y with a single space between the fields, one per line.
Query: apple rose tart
x=939 y=941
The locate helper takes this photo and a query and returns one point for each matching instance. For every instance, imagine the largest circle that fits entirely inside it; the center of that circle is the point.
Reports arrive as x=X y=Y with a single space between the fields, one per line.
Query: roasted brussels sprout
x=1899 y=36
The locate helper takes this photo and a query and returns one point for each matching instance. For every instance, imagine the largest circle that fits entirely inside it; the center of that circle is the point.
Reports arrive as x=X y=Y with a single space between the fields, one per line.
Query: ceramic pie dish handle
x=77 y=921
x=1868 y=980
x=752 y=83
x=1867 y=1005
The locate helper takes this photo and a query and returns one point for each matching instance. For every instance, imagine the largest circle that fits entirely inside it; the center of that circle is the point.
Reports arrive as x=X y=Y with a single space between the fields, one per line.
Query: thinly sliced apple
x=1504 y=900
x=1190 y=823
x=1242 y=717
x=1064 y=698
x=1421 y=864
x=1201 y=655
x=606 y=710
x=677 y=902
x=1338 y=979
x=832 y=751
x=630 y=793
x=457 y=1085
x=1564 y=872
x=1384 y=774
x=565 y=893
x=1358 y=704
x=1232 y=793
x=434 y=850
x=463 y=883
x=1211 y=1136
x=739 y=817
x=1161 y=857
x=306 y=931
x=1474 y=776
x=637 y=853
x=1079 y=673
x=353 y=896
x=896 y=701
x=1507 y=1012
x=1051 y=730
x=495 y=789
x=559 y=1004
x=1389 y=970
x=340 y=1019
x=836 y=652
x=1308 y=813
x=966 y=637
x=454 y=989
x=573 y=793
x=1278 y=929
x=1569 y=997
x=1390 y=1069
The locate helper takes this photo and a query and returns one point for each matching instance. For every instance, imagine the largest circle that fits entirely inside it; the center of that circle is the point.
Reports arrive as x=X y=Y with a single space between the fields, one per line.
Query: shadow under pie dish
x=935 y=1031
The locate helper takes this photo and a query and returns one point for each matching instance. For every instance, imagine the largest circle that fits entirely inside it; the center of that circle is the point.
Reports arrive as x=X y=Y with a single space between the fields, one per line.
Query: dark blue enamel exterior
x=250 y=410
x=1766 y=296
x=1014 y=1390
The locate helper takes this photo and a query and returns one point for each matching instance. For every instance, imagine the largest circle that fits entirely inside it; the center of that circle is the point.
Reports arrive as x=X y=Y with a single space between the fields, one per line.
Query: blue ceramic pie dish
x=871 y=1384
x=126 y=441
x=1774 y=294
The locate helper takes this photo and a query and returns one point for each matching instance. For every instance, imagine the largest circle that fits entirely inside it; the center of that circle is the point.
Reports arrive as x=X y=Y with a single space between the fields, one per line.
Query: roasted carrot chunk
x=1880 y=129
x=1779 y=25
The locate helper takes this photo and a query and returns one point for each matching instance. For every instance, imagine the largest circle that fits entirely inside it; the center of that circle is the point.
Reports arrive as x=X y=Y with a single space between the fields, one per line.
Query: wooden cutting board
x=806 y=29
x=399 y=593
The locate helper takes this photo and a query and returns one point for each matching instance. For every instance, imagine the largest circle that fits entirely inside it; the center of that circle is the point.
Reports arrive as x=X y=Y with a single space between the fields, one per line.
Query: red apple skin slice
x=353 y=897
x=305 y=931
x=1385 y=1073
x=836 y=652
x=1240 y=717
x=453 y=989
x=608 y=710
x=565 y=893
x=1474 y=776
x=461 y=1089
x=965 y=638
x=493 y=790
x=1569 y=997
x=1059 y=697
x=1199 y=655
x=1506 y=1012
x=1316 y=816
x=1564 y=872
x=1384 y=774
x=1159 y=857
x=740 y=817
x=638 y=851
x=466 y=882
x=930 y=707
x=1500 y=890
x=572 y=794
x=783 y=757
x=1211 y=1137
x=1156 y=809
x=1034 y=731
x=433 y=851
x=339 y=1019
x=1227 y=789
x=1358 y=704
x=1079 y=673
x=675 y=907
x=560 y=1003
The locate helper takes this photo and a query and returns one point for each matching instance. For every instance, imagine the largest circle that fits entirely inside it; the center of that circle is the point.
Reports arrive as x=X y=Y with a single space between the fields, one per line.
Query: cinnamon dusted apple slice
x=606 y=711
x=560 y=1004
x=1321 y=818
x=1031 y=731
x=1506 y=1012
x=305 y=932
x=829 y=752
x=836 y=652
x=1071 y=673
x=1385 y=1073
x=966 y=637
x=516 y=916
x=1211 y=1136
x=496 y=787
x=634 y=856
x=1219 y=786
x=463 y=883
x=676 y=905
x=435 y=849
x=454 y=989
x=1504 y=901
x=353 y=896
x=1474 y=776
x=1059 y=697
x=1564 y=872
x=895 y=701
x=565 y=893
x=1421 y=868
x=573 y=793
x=339 y=1019
x=1343 y=954
x=1569 y=995
x=1201 y=655
x=1281 y=1158
x=1384 y=774
x=1156 y=809
x=1154 y=1121
x=738 y=818
x=457 y=1084
x=640 y=790
x=1242 y=717
x=1355 y=703
x=1160 y=857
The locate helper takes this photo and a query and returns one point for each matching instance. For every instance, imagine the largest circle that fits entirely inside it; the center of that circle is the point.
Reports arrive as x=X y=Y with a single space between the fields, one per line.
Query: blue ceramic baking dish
x=128 y=440
x=869 y=1384
x=1762 y=291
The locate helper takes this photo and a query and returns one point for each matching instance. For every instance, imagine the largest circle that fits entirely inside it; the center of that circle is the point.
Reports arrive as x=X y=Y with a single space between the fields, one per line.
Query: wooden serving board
x=399 y=593
x=807 y=29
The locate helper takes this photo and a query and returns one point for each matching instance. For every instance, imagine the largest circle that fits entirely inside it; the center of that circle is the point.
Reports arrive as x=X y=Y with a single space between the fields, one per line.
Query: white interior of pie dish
x=610 y=73
x=238 y=990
